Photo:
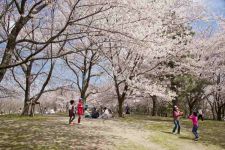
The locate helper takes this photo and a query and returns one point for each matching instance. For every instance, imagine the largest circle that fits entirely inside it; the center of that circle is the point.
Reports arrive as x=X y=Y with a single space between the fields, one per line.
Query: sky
x=214 y=7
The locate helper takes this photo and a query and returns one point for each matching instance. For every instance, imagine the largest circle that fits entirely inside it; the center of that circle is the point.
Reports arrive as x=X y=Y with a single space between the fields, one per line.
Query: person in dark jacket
x=71 y=112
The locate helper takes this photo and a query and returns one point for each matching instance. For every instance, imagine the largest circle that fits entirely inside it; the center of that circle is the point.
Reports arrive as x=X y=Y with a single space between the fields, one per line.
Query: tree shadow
x=186 y=138
x=167 y=132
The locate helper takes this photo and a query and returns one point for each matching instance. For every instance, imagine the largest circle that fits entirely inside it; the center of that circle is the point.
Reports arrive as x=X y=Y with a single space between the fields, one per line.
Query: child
x=176 y=117
x=71 y=112
x=80 y=110
x=194 y=118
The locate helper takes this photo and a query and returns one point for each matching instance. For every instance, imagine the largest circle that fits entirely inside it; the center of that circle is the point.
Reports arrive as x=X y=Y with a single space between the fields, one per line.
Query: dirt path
x=125 y=136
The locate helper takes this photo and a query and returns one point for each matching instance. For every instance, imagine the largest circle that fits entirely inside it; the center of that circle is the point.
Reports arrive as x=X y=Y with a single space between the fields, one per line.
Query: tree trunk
x=213 y=113
x=175 y=101
x=191 y=104
x=83 y=95
x=154 y=105
x=120 y=111
x=26 y=108
x=190 y=109
x=32 y=110
x=149 y=107
x=6 y=60
x=219 y=114
x=10 y=46
x=27 y=100
x=223 y=112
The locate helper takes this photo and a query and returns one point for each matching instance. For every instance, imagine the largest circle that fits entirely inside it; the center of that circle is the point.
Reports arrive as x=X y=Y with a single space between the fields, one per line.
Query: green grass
x=130 y=146
x=53 y=132
x=211 y=132
x=43 y=132
x=23 y=118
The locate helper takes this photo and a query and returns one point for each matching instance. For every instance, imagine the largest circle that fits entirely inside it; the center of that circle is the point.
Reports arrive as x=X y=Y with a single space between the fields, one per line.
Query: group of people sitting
x=80 y=110
x=106 y=113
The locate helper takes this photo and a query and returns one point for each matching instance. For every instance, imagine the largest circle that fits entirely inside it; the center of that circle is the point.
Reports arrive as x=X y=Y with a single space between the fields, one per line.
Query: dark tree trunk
x=120 y=110
x=83 y=95
x=27 y=101
x=219 y=114
x=7 y=57
x=6 y=60
x=191 y=103
x=223 y=112
x=213 y=113
x=154 y=105
x=26 y=109
x=191 y=109
x=175 y=101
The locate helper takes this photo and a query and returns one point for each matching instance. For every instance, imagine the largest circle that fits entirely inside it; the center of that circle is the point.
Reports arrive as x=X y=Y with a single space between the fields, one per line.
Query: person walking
x=80 y=109
x=71 y=112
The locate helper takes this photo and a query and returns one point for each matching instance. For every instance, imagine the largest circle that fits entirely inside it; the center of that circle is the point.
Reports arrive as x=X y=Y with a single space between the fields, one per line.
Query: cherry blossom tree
x=208 y=64
x=150 y=39
x=84 y=66
x=20 y=19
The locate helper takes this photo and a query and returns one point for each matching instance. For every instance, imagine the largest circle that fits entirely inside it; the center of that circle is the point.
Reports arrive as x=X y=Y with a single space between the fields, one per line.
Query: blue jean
x=177 y=126
x=195 y=131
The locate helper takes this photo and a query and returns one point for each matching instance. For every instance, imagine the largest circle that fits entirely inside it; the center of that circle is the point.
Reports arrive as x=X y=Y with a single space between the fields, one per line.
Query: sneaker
x=196 y=139
x=174 y=133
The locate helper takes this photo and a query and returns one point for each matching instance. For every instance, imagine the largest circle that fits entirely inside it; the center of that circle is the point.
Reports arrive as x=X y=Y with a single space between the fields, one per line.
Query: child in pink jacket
x=194 y=118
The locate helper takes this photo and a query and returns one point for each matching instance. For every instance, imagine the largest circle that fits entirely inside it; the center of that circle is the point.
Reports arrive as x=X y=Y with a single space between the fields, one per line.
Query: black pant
x=195 y=131
x=71 y=119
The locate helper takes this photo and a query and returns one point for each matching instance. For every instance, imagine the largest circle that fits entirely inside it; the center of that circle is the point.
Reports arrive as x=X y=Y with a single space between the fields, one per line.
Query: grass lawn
x=212 y=133
x=135 y=132
x=44 y=132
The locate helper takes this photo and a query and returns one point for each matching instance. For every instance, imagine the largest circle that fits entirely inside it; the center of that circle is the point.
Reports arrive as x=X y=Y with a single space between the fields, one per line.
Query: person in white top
x=107 y=114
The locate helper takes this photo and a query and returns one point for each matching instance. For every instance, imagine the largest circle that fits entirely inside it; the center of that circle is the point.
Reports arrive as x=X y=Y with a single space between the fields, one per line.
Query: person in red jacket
x=80 y=109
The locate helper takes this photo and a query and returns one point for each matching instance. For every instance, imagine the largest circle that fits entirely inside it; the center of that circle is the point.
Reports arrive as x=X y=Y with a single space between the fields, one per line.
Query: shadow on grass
x=167 y=132
x=186 y=138
x=48 y=133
